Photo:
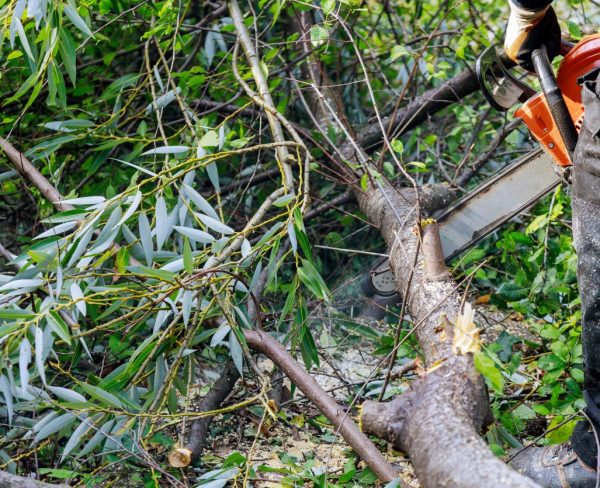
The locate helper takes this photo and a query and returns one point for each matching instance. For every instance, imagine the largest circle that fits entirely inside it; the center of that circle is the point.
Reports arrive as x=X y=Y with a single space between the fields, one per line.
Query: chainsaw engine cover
x=535 y=112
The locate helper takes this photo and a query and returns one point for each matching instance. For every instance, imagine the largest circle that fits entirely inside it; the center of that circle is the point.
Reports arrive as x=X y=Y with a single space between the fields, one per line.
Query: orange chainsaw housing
x=581 y=59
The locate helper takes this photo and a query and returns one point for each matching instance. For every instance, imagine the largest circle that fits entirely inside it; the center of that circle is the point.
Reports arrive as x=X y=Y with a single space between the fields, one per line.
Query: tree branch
x=264 y=343
x=31 y=174
x=8 y=480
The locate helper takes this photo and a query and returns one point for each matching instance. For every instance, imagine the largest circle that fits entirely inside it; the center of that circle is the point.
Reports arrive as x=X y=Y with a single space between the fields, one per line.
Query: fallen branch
x=360 y=443
x=198 y=434
x=8 y=480
x=437 y=422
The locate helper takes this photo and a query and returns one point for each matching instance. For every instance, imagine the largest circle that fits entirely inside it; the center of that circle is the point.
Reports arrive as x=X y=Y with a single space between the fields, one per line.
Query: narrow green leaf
x=188 y=260
x=146 y=237
x=54 y=426
x=67 y=53
x=195 y=234
x=104 y=397
x=77 y=21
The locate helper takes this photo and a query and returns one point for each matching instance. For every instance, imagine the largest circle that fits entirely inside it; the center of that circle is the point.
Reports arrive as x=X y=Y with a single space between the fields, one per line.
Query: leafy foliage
x=179 y=212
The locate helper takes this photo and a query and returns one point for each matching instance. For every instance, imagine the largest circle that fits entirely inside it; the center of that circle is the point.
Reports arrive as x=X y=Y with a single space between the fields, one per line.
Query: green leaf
x=104 y=397
x=146 y=237
x=237 y=354
x=122 y=260
x=562 y=433
x=210 y=139
x=399 y=51
x=67 y=54
x=67 y=395
x=77 y=21
x=53 y=426
x=188 y=260
x=308 y=348
x=167 y=150
x=284 y=200
x=487 y=367
x=195 y=234
x=215 y=224
x=59 y=326
x=398 y=146
x=318 y=35
x=364 y=182
x=539 y=222
x=200 y=202
x=300 y=233
x=23 y=38
x=159 y=274
x=213 y=175
x=574 y=30
x=327 y=6
x=312 y=280
x=97 y=438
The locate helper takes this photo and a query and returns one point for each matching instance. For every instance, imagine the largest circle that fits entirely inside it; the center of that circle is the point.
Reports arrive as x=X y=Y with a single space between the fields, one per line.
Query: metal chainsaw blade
x=483 y=210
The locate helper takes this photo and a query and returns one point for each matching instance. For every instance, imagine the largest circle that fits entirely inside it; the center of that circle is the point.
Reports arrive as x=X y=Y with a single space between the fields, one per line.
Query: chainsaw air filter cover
x=581 y=59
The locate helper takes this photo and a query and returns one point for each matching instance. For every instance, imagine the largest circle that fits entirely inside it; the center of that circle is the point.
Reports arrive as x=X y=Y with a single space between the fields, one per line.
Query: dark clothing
x=532 y=4
x=586 y=236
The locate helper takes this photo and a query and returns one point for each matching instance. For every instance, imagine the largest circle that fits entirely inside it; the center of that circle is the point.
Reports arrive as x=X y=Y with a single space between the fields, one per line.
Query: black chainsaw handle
x=556 y=102
x=565 y=47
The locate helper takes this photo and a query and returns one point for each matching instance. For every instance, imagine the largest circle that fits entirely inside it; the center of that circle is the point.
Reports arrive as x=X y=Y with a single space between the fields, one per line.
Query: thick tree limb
x=198 y=434
x=8 y=480
x=437 y=422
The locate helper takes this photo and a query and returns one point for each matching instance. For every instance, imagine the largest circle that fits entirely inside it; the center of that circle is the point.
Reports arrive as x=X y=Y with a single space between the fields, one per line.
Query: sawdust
x=296 y=445
x=342 y=372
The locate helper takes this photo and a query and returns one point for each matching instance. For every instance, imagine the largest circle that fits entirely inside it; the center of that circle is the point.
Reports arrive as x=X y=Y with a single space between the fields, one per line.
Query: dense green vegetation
x=142 y=115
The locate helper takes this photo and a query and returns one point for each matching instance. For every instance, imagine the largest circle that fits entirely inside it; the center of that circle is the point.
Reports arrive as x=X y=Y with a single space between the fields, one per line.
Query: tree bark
x=437 y=422
x=264 y=343
x=198 y=434
x=8 y=480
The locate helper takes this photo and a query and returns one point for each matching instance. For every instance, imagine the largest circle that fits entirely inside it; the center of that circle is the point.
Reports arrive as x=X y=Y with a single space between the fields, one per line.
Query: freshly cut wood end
x=466 y=334
x=180 y=457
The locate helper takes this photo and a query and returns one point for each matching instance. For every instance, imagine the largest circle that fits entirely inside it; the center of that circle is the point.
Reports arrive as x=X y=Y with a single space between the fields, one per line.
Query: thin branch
x=31 y=174
x=267 y=345
x=263 y=90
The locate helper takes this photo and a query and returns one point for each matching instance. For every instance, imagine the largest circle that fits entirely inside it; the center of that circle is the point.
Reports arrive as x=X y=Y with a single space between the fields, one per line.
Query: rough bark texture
x=264 y=343
x=211 y=401
x=437 y=422
x=8 y=480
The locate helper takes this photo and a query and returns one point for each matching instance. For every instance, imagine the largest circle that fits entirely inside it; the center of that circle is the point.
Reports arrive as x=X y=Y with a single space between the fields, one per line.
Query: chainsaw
x=553 y=117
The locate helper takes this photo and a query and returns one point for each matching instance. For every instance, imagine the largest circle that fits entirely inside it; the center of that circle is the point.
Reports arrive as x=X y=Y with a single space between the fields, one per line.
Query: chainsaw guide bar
x=483 y=210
